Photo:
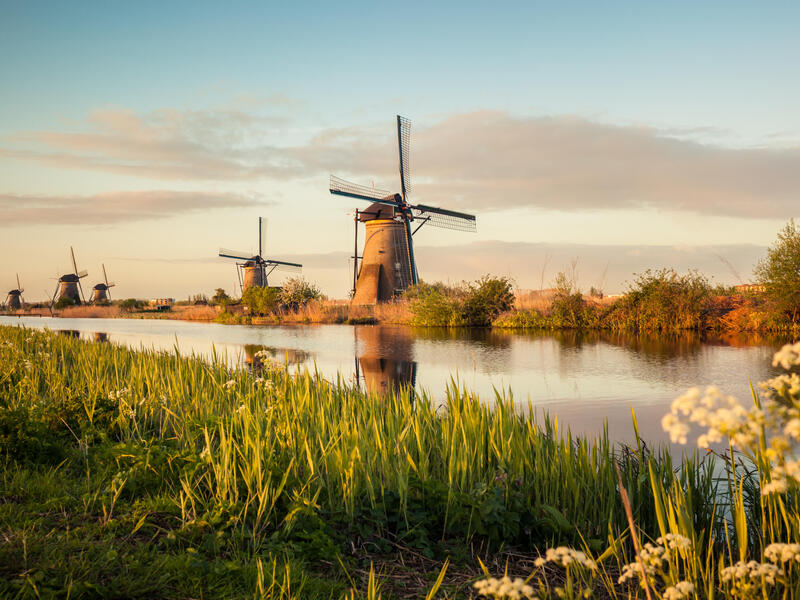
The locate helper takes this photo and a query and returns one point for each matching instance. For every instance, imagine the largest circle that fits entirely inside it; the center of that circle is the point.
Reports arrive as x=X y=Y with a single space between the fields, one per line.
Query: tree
x=779 y=272
x=220 y=297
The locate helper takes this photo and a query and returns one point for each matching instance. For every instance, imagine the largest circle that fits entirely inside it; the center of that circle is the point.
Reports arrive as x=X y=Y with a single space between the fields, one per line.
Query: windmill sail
x=342 y=187
x=446 y=219
x=404 y=147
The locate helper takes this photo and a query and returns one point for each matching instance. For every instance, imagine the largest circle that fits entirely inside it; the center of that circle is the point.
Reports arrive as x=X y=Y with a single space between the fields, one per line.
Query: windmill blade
x=235 y=254
x=404 y=147
x=19 y=287
x=340 y=187
x=105 y=277
x=281 y=265
x=112 y=284
x=74 y=264
x=262 y=235
x=446 y=219
x=82 y=274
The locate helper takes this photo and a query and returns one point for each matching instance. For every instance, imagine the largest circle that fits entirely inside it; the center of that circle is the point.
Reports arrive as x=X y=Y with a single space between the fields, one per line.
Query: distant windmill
x=14 y=300
x=100 y=291
x=388 y=265
x=69 y=285
x=254 y=270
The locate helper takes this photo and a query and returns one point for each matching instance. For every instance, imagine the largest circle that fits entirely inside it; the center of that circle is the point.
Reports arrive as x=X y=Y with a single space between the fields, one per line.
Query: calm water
x=582 y=379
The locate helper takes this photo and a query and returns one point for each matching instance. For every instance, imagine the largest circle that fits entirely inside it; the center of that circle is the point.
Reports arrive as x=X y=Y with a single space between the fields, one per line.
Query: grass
x=153 y=475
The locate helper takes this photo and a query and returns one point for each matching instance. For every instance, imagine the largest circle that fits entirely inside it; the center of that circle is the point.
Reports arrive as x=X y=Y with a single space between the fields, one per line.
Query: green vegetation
x=221 y=298
x=473 y=304
x=64 y=302
x=262 y=300
x=297 y=292
x=145 y=474
x=130 y=304
x=779 y=273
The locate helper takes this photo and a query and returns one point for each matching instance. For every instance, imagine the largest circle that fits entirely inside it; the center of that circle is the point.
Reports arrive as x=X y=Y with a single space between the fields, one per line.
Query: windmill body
x=69 y=284
x=254 y=270
x=14 y=299
x=388 y=265
x=100 y=291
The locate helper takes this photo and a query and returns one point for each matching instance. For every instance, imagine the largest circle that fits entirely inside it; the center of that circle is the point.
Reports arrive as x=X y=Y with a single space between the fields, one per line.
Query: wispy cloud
x=479 y=161
x=114 y=207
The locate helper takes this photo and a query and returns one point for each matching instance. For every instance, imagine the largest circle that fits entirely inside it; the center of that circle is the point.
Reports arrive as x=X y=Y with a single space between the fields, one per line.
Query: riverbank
x=145 y=474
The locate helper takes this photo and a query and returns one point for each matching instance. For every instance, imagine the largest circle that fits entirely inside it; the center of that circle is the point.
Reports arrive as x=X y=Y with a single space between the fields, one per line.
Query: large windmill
x=14 y=300
x=100 y=291
x=388 y=265
x=253 y=271
x=69 y=285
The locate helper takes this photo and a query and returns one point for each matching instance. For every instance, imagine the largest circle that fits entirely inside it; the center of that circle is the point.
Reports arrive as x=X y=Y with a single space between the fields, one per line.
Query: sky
x=596 y=138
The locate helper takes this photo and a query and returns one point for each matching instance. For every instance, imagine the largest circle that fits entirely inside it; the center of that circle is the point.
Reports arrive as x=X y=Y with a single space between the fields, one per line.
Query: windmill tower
x=14 y=300
x=388 y=265
x=100 y=291
x=69 y=285
x=254 y=269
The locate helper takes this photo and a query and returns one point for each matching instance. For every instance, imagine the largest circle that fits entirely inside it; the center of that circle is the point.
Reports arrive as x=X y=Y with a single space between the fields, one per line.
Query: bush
x=64 y=302
x=567 y=308
x=261 y=300
x=471 y=304
x=298 y=292
x=662 y=301
x=779 y=273
x=131 y=304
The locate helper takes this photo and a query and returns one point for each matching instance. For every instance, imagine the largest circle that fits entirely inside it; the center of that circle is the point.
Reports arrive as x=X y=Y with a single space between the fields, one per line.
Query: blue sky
x=317 y=86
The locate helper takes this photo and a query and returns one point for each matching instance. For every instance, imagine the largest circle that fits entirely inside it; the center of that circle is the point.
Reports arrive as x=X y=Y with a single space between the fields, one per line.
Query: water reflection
x=256 y=356
x=384 y=358
x=69 y=332
x=100 y=336
x=583 y=378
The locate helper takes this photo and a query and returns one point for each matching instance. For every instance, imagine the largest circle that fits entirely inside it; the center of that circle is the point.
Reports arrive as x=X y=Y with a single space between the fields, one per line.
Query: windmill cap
x=14 y=292
x=376 y=210
x=100 y=286
x=69 y=278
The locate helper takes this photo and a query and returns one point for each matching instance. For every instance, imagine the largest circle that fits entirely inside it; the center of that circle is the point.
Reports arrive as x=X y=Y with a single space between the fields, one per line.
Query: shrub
x=64 y=302
x=261 y=300
x=471 y=304
x=779 y=273
x=662 y=301
x=131 y=304
x=299 y=292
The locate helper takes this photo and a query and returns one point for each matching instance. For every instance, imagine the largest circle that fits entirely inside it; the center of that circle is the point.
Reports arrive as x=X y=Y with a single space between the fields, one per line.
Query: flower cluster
x=679 y=591
x=787 y=357
x=229 y=384
x=118 y=394
x=505 y=587
x=565 y=557
x=782 y=553
x=722 y=415
x=652 y=556
x=267 y=384
x=742 y=573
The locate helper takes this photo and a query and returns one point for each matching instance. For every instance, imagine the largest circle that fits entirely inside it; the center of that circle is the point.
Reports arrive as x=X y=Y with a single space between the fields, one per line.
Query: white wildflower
x=742 y=572
x=782 y=553
x=787 y=357
x=679 y=591
x=229 y=384
x=564 y=557
x=504 y=587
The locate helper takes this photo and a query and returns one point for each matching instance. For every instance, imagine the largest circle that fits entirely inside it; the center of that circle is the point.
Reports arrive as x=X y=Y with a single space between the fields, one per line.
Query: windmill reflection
x=100 y=336
x=257 y=356
x=384 y=359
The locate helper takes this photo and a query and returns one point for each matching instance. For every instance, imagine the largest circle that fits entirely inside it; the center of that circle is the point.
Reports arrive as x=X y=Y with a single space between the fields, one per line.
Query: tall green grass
x=226 y=469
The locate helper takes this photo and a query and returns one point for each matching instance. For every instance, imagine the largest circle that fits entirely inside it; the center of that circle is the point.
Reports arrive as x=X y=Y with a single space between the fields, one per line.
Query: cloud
x=492 y=160
x=479 y=161
x=114 y=207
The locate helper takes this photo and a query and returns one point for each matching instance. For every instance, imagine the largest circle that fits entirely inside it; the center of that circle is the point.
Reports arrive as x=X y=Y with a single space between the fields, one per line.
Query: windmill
x=100 y=291
x=388 y=265
x=69 y=285
x=253 y=271
x=14 y=300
